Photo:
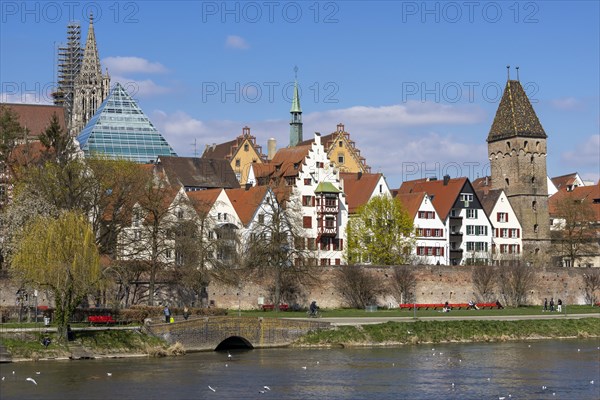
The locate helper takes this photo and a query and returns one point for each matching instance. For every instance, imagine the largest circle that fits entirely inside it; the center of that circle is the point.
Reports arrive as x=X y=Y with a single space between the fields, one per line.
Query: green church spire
x=296 y=116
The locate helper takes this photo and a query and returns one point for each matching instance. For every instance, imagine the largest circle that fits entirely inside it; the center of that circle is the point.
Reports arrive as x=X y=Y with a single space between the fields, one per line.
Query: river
x=546 y=369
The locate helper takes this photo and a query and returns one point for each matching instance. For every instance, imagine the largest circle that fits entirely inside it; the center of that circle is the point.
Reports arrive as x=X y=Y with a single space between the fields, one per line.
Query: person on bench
x=472 y=305
x=446 y=307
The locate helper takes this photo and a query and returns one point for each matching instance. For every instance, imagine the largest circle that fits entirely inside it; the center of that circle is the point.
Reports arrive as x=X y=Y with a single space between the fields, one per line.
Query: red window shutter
x=506 y=217
x=498 y=217
x=510 y=233
x=307 y=222
x=518 y=233
x=519 y=248
x=313 y=201
x=497 y=232
x=442 y=251
x=341 y=244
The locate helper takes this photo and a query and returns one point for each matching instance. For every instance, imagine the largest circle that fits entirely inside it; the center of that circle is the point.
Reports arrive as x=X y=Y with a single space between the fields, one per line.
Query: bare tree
x=591 y=281
x=576 y=236
x=274 y=247
x=484 y=282
x=514 y=282
x=356 y=286
x=404 y=282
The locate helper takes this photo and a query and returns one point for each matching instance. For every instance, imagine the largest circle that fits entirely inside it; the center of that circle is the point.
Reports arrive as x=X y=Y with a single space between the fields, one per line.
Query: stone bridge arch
x=208 y=333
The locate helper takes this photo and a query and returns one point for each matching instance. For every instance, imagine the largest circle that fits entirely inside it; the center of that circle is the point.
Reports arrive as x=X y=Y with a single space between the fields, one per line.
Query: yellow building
x=342 y=151
x=241 y=152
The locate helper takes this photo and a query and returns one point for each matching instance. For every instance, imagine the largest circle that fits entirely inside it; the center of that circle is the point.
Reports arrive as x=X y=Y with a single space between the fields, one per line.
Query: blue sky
x=415 y=83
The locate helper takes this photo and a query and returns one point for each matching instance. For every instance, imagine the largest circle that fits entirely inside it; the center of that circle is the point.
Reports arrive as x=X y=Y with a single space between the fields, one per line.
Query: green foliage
x=60 y=255
x=450 y=331
x=59 y=141
x=10 y=132
x=380 y=233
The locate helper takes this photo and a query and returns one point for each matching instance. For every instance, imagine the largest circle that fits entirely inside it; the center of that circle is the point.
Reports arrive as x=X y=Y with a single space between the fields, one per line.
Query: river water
x=548 y=369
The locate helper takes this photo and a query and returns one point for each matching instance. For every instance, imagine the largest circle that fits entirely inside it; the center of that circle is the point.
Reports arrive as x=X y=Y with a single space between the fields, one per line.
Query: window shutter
x=341 y=244
x=518 y=248
x=510 y=233
x=497 y=232
x=498 y=217
x=506 y=217
x=518 y=233
x=313 y=200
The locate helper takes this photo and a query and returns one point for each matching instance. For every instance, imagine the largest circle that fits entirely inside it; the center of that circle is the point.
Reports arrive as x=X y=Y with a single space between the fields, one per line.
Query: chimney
x=271 y=148
x=446 y=180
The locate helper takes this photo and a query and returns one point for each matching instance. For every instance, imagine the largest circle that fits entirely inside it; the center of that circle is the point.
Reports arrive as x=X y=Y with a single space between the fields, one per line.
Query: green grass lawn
x=382 y=312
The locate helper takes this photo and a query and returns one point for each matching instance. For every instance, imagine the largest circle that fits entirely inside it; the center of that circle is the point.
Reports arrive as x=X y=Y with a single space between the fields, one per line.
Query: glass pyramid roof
x=120 y=130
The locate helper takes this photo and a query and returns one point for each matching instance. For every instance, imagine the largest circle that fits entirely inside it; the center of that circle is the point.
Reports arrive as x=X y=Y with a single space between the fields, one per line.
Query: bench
x=101 y=319
x=271 y=307
x=435 y=306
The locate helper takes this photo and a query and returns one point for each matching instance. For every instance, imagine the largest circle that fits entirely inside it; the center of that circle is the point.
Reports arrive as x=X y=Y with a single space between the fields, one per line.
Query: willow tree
x=60 y=255
x=380 y=233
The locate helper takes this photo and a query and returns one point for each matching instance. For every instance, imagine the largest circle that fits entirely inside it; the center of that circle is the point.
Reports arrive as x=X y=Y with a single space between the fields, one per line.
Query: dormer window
x=246 y=147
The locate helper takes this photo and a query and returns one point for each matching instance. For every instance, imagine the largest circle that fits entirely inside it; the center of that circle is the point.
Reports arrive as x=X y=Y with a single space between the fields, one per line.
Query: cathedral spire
x=296 y=115
x=90 y=69
x=91 y=87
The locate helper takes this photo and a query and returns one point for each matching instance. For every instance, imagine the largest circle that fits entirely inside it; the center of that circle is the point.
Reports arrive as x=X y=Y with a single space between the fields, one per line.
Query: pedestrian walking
x=545 y=304
x=551 y=304
x=167 y=313
x=559 y=305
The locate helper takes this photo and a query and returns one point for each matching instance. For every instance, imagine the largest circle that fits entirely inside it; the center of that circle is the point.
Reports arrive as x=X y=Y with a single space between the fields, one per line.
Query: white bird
x=211 y=388
x=304 y=367
x=544 y=387
x=109 y=373
x=501 y=398
x=37 y=372
x=2 y=378
x=261 y=391
x=226 y=365
x=453 y=385
x=229 y=355
x=528 y=345
x=13 y=372
x=317 y=363
x=489 y=379
x=578 y=350
x=591 y=382
x=266 y=387
x=553 y=393
x=31 y=380
x=459 y=360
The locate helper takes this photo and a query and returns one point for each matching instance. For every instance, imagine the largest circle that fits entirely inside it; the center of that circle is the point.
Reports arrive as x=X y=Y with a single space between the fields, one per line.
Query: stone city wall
x=435 y=284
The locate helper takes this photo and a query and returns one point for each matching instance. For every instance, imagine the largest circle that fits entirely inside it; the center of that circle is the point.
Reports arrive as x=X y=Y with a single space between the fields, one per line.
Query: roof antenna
x=518 y=74
x=508 y=71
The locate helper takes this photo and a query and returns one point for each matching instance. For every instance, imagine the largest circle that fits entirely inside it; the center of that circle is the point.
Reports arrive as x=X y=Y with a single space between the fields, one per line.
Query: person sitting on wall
x=472 y=305
x=499 y=305
x=446 y=307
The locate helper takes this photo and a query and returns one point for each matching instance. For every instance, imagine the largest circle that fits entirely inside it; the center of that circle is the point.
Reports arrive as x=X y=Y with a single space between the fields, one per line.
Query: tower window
x=537 y=145
x=341 y=159
x=533 y=205
x=535 y=228
x=533 y=180
x=525 y=144
x=507 y=145
x=507 y=181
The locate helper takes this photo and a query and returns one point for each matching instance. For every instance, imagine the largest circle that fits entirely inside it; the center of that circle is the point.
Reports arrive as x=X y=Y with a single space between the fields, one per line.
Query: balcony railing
x=325 y=231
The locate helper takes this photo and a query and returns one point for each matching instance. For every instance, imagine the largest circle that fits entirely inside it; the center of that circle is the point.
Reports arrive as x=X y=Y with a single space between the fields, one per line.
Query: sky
x=415 y=83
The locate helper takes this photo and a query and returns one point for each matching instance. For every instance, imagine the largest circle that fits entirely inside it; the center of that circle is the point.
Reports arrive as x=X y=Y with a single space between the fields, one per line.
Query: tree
x=10 y=132
x=591 y=280
x=60 y=255
x=57 y=140
x=484 y=282
x=380 y=233
x=575 y=237
x=404 y=282
x=356 y=286
x=275 y=246
x=515 y=281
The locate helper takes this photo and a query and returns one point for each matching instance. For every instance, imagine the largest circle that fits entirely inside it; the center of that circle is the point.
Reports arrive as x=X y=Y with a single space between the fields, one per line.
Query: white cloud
x=26 y=98
x=567 y=104
x=585 y=154
x=399 y=140
x=140 y=88
x=126 y=65
x=236 y=42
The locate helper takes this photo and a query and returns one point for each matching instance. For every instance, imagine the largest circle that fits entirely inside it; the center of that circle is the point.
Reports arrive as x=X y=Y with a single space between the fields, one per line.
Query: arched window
x=535 y=228
x=534 y=205
x=533 y=180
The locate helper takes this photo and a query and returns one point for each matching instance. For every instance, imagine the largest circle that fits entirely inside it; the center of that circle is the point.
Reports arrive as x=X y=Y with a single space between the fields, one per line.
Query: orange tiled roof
x=36 y=117
x=411 y=202
x=358 y=188
x=586 y=194
x=203 y=200
x=287 y=162
x=443 y=196
x=246 y=201
x=561 y=182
